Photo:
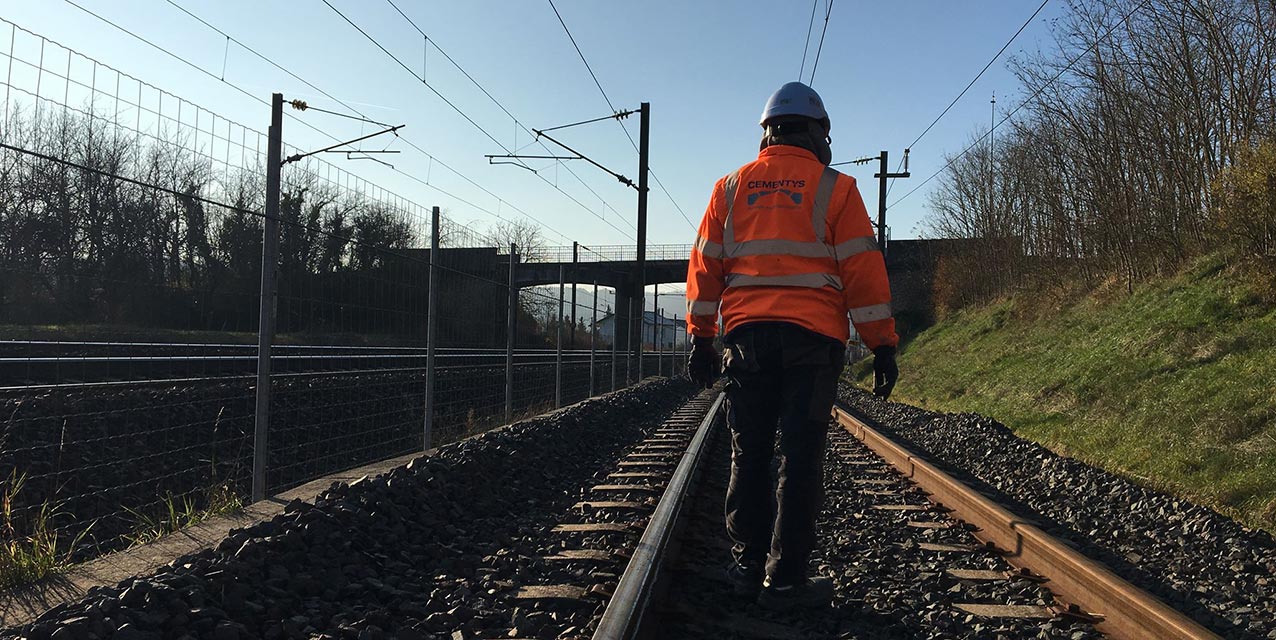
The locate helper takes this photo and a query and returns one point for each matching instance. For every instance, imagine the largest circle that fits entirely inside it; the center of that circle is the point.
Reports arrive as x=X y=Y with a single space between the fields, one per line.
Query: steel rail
x=625 y=613
x=1123 y=610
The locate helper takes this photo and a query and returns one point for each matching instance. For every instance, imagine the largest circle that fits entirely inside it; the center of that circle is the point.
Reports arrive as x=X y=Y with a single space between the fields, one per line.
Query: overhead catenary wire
x=828 y=11
x=304 y=123
x=980 y=74
x=806 y=46
x=517 y=122
x=613 y=109
x=363 y=116
x=1023 y=103
x=403 y=138
x=423 y=81
x=971 y=84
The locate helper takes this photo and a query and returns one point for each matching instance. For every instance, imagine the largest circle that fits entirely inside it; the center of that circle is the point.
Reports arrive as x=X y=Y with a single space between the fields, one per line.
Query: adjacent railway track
x=49 y=365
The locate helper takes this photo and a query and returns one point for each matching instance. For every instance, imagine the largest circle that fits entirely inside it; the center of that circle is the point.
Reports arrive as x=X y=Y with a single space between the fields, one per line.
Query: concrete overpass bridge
x=616 y=268
x=910 y=263
x=612 y=266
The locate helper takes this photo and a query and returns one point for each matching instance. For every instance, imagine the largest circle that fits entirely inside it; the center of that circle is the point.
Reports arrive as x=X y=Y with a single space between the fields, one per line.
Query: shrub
x=1245 y=200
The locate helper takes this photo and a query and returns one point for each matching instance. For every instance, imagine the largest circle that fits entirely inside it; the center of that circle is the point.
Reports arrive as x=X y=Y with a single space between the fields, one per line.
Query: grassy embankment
x=1173 y=386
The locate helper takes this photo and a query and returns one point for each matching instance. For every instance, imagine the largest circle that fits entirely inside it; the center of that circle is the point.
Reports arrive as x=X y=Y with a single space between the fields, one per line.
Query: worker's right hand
x=885 y=371
x=705 y=364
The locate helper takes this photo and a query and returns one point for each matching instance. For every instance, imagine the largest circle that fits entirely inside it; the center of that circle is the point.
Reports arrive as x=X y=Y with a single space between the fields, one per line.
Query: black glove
x=885 y=371
x=704 y=365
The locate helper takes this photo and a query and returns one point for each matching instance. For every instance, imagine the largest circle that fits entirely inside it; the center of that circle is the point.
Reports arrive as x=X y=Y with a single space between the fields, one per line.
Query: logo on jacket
x=795 y=196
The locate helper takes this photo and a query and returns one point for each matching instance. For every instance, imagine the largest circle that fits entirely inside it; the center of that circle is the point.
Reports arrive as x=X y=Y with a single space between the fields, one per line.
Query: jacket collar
x=786 y=150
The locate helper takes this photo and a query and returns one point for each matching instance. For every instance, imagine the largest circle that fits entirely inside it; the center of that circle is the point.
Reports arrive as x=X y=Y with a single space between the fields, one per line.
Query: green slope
x=1173 y=385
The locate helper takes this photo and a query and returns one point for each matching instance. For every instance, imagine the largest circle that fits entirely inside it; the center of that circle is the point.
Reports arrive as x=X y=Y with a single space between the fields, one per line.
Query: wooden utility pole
x=882 y=176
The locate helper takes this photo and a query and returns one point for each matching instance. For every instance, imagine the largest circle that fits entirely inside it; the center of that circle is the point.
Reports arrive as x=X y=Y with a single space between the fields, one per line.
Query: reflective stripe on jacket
x=788 y=239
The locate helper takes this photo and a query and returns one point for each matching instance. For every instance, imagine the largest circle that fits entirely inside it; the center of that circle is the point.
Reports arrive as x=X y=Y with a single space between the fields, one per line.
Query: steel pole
x=431 y=324
x=511 y=316
x=575 y=259
x=558 y=351
x=615 y=337
x=644 y=160
x=593 y=342
x=266 y=312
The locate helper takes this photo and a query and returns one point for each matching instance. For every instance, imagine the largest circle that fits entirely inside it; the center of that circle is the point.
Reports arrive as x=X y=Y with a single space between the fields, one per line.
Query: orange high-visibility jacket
x=787 y=239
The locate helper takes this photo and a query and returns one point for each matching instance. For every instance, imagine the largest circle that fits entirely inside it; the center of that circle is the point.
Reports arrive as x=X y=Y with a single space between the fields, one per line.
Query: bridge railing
x=615 y=253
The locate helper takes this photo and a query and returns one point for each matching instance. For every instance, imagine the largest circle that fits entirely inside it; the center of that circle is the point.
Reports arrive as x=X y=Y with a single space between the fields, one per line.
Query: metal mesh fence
x=132 y=233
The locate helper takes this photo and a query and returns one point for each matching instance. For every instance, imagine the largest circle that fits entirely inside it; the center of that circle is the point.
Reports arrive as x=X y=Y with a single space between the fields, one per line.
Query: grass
x=42 y=550
x=177 y=513
x=34 y=555
x=1171 y=386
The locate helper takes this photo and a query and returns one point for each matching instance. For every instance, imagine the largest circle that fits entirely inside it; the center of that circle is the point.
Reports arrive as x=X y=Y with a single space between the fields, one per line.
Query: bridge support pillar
x=626 y=309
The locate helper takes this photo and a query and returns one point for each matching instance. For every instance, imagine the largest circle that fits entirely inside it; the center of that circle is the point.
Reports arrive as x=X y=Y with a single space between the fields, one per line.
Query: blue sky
x=885 y=71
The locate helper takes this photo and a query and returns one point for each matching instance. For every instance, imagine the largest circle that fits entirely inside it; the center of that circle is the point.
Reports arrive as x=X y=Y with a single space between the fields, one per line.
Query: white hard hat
x=794 y=99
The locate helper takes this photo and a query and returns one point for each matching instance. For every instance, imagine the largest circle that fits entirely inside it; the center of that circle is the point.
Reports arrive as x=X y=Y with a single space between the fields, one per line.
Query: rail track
x=47 y=364
x=606 y=523
x=982 y=571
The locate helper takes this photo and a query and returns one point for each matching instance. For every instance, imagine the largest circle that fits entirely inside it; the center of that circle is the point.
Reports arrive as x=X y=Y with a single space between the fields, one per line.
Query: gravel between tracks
x=887 y=586
x=1195 y=559
x=400 y=556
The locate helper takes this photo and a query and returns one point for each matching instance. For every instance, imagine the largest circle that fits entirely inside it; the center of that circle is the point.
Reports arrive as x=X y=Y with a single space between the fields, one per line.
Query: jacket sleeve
x=866 y=288
x=705 y=276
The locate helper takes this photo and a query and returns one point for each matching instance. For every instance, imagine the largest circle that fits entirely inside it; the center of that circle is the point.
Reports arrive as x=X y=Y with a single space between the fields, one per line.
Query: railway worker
x=785 y=252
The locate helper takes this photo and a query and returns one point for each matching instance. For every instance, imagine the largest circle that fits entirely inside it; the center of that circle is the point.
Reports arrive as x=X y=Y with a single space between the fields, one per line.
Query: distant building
x=672 y=332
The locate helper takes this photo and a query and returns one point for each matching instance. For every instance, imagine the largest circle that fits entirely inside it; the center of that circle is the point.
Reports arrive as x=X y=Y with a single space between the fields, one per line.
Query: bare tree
x=525 y=234
x=181 y=246
x=1110 y=167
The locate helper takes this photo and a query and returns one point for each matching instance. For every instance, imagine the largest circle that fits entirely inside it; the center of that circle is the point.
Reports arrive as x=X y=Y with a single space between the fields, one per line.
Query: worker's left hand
x=885 y=371
x=705 y=364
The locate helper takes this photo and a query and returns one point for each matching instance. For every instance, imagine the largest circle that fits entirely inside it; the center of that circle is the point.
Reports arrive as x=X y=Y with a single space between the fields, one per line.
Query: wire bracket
x=299 y=156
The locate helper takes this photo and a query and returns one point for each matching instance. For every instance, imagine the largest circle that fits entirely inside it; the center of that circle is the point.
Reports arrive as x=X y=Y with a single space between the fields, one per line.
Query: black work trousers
x=780 y=376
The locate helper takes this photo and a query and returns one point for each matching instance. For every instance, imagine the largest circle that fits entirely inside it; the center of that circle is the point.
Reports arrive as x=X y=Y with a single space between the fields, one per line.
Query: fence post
x=665 y=349
x=575 y=259
x=655 y=335
x=593 y=341
x=266 y=315
x=629 y=356
x=558 y=346
x=615 y=323
x=431 y=324
x=655 y=320
x=511 y=316
x=669 y=349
